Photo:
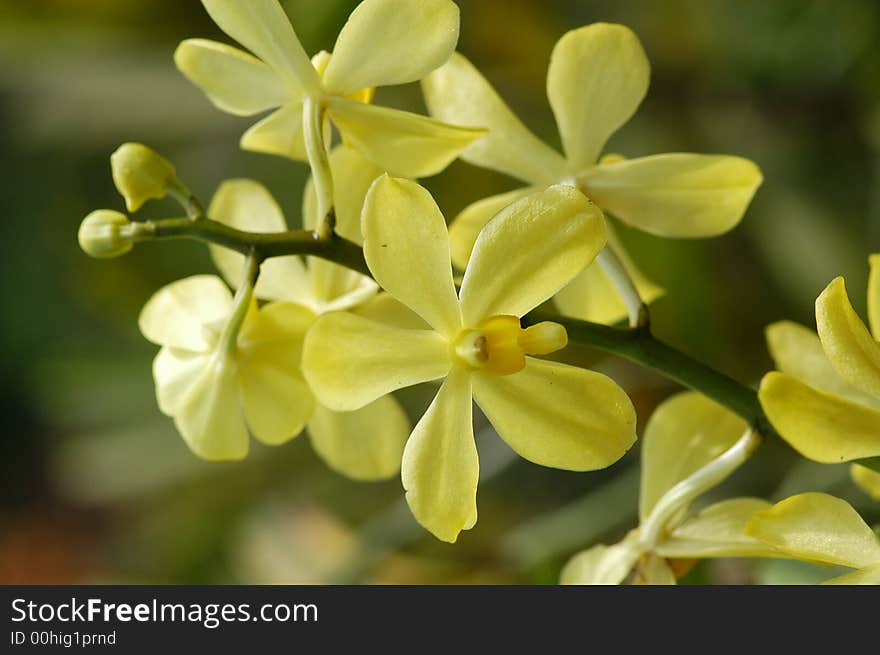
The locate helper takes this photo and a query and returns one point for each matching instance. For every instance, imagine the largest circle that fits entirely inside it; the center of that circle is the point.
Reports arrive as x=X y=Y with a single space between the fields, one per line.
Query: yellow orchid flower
x=217 y=381
x=825 y=398
x=384 y=42
x=821 y=528
x=549 y=413
x=690 y=445
x=366 y=444
x=597 y=78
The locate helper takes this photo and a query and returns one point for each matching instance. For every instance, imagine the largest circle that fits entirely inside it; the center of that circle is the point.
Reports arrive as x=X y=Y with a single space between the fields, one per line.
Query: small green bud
x=105 y=233
x=140 y=174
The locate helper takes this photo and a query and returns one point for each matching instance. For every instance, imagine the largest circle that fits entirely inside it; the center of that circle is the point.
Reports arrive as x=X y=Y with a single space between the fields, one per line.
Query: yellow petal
x=350 y=361
x=263 y=28
x=820 y=426
x=874 y=295
x=366 y=444
x=598 y=76
x=653 y=570
x=399 y=142
x=591 y=296
x=388 y=42
x=605 y=565
x=233 y=80
x=440 y=468
x=465 y=229
x=867 y=479
x=178 y=313
x=797 y=351
x=248 y=205
x=174 y=371
x=209 y=414
x=675 y=195
x=406 y=246
x=277 y=401
x=458 y=94
x=558 y=415
x=718 y=531
x=870 y=575
x=847 y=342
x=336 y=288
x=529 y=251
x=355 y=174
x=684 y=433
x=817 y=527
x=280 y=133
x=385 y=308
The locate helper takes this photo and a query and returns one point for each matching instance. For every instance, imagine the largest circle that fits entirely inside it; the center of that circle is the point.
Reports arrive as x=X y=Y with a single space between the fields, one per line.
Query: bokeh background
x=96 y=486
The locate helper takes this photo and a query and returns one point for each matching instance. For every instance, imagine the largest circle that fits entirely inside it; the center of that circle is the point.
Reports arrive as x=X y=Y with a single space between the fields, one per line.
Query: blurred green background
x=96 y=484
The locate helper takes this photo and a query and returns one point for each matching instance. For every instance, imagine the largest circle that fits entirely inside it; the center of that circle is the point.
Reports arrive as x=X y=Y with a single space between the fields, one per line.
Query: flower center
x=499 y=344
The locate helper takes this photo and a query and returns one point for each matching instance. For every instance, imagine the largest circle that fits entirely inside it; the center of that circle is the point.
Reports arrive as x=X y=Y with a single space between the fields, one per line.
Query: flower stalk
x=636 y=309
x=313 y=120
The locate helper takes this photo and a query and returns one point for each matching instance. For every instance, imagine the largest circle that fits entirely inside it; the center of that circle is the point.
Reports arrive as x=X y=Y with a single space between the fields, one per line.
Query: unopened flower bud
x=105 y=233
x=140 y=174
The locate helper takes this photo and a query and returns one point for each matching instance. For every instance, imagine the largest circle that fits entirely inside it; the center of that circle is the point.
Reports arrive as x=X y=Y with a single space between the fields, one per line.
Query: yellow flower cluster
x=307 y=344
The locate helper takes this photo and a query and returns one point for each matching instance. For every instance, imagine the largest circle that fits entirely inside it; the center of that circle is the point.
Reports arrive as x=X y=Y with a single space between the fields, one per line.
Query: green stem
x=640 y=346
x=265 y=245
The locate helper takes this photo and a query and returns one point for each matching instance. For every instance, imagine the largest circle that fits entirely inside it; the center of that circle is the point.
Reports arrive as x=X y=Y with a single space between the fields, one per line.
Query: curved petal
x=263 y=28
x=280 y=133
x=385 y=308
x=605 y=565
x=684 y=433
x=592 y=296
x=399 y=142
x=558 y=415
x=277 y=401
x=718 y=531
x=232 y=79
x=407 y=249
x=820 y=426
x=676 y=194
x=178 y=313
x=358 y=174
x=845 y=339
x=654 y=570
x=867 y=479
x=797 y=351
x=874 y=295
x=387 y=42
x=248 y=205
x=597 y=78
x=440 y=467
x=529 y=251
x=870 y=575
x=209 y=414
x=174 y=371
x=351 y=361
x=366 y=444
x=466 y=227
x=817 y=527
x=336 y=288
x=458 y=94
